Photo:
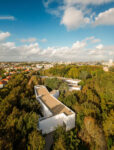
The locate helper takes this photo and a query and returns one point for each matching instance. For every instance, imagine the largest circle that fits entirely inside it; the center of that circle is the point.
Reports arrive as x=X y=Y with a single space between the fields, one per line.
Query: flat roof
x=55 y=106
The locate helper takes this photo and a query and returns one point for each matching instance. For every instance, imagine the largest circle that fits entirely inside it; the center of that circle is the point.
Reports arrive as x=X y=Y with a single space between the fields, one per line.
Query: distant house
x=8 y=77
x=13 y=72
x=54 y=112
x=6 y=80
x=105 y=68
x=2 y=83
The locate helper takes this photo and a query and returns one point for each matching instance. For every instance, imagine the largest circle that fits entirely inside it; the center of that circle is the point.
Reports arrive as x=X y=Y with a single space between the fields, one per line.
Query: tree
x=73 y=73
x=84 y=75
x=36 y=142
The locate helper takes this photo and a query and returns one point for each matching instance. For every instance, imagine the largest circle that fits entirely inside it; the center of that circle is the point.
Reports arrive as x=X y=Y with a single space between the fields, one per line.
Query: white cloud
x=76 y=13
x=29 y=40
x=44 y=40
x=29 y=49
x=105 y=18
x=86 y=2
x=100 y=46
x=79 y=45
x=4 y=35
x=73 y=18
x=7 y=18
x=10 y=45
x=92 y=39
x=78 y=51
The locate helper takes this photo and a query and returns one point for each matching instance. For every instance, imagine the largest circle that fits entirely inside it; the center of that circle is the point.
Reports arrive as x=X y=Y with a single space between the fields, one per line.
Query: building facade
x=54 y=112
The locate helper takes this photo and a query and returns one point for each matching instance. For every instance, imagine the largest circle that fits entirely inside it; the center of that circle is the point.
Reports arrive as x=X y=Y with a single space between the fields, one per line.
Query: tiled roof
x=55 y=106
x=1 y=82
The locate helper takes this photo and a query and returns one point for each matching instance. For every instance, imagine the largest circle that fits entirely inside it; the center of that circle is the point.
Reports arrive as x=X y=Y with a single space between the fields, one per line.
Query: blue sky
x=48 y=29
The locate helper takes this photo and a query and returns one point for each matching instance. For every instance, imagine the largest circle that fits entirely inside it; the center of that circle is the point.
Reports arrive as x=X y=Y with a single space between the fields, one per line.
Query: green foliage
x=19 y=116
x=68 y=100
x=2 y=71
x=52 y=83
x=73 y=73
x=96 y=99
x=111 y=69
x=66 y=140
x=63 y=88
x=84 y=75
x=93 y=106
x=35 y=141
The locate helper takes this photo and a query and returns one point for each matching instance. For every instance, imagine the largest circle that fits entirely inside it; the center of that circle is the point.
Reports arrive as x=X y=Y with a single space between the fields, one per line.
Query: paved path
x=49 y=141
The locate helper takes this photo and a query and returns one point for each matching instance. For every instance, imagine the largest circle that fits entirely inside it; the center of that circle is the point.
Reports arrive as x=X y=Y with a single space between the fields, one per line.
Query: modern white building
x=73 y=84
x=54 y=112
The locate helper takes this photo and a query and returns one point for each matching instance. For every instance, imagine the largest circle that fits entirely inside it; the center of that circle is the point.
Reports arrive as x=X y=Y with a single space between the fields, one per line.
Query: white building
x=73 y=84
x=1 y=85
x=54 y=112
x=109 y=63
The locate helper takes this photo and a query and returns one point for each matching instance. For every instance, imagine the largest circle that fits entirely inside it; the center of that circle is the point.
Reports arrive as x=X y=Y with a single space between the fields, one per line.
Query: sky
x=56 y=30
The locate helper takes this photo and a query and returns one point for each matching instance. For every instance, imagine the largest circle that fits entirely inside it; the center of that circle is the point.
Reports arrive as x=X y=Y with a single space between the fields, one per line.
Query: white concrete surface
x=50 y=121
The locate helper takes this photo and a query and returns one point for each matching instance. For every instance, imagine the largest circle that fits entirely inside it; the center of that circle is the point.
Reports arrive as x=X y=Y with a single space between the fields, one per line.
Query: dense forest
x=19 y=113
x=93 y=106
x=19 y=110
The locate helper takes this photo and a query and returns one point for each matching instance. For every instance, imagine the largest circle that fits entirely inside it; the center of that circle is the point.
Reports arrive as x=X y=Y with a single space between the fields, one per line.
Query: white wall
x=1 y=86
x=45 y=110
x=74 y=88
x=73 y=81
x=50 y=124
x=70 y=122
x=56 y=95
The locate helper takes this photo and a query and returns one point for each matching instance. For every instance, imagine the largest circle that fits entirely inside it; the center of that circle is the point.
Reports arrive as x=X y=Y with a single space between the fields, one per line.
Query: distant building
x=39 y=66
x=6 y=80
x=1 y=85
x=109 y=63
x=105 y=68
x=48 y=66
x=54 y=112
x=73 y=84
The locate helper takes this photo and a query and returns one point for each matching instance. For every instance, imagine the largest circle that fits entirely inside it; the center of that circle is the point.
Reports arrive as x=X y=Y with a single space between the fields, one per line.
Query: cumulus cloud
x=86 y=2
x=9 y=45
x=73 y=18
x=74 y=14
x=78 y=51
x=100 y=46
x=7 y=18
x=29 y=40
x=92 y=39
x=4 y=35
x=79 y=45
x=105 y=18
